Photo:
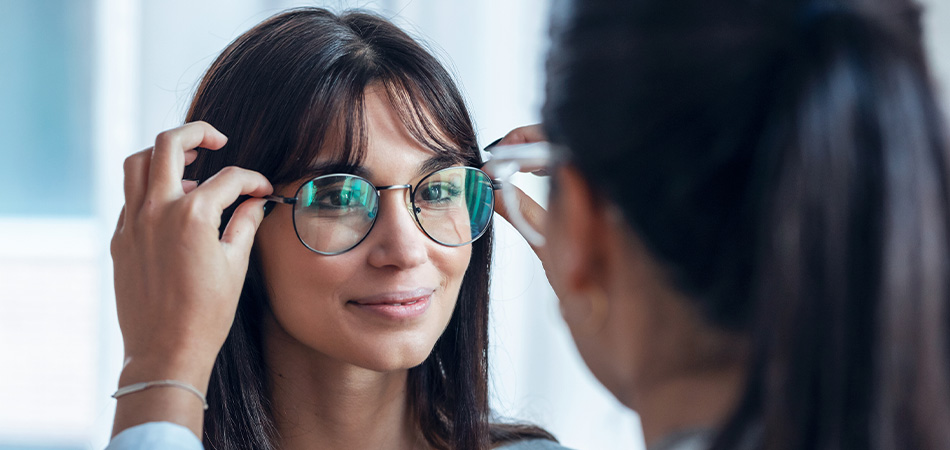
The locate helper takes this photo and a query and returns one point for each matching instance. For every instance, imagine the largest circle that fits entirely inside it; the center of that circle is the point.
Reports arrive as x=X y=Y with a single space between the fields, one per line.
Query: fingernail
x=267 y=207
x=489 y=146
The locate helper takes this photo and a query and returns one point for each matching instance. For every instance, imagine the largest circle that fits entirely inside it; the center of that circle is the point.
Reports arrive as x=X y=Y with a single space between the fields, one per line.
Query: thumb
x=239 y=234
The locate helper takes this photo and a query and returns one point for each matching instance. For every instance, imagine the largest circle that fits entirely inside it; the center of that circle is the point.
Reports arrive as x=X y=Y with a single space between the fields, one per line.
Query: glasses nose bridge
x=406 y=195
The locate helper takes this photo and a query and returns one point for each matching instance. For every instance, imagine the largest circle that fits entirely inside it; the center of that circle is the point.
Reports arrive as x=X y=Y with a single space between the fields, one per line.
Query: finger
x=542 y=172
x=189 y=185
x=536 y=167
x=524 y=135
x=114 y=243
x=136 y=179
x=121 y=222
x=239 y=234
x=223 y=189
x=190 y=156
x=168 y=157
x=533 y=213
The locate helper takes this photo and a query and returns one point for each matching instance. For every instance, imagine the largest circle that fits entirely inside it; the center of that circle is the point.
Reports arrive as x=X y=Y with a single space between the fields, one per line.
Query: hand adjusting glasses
x=334 y=213
x=511 y=161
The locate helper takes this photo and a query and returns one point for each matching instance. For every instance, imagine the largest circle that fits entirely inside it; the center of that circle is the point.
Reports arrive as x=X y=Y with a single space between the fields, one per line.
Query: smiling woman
x=362 y=320
x=381 y=305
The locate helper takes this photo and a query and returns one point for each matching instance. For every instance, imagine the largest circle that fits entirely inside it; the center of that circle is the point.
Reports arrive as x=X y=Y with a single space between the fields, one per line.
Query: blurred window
x=45 y=107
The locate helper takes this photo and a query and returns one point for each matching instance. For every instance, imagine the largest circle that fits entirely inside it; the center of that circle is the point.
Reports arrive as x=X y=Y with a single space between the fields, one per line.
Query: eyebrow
x=432 y=164
x=439 y=161
x=326 y=168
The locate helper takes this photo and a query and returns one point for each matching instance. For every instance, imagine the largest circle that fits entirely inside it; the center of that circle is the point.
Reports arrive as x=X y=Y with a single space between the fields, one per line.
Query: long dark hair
x=786 y=161
x=283 y=92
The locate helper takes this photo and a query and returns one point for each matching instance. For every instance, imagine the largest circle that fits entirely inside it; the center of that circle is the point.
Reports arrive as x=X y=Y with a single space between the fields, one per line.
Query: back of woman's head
x=786 y=163
x=288 y=90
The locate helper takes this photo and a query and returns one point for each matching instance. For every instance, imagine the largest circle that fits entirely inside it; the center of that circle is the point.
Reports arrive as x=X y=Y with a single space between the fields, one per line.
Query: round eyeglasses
x=334 y=213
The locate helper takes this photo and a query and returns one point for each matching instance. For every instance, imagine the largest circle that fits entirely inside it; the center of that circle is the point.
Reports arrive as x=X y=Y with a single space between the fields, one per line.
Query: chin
x=386 y=361
x=388 y=352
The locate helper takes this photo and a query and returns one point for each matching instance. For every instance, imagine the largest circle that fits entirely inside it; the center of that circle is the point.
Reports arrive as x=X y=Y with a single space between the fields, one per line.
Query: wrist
x=144 y=386
x=160 y=404
x=166 y=403
x=193 y=371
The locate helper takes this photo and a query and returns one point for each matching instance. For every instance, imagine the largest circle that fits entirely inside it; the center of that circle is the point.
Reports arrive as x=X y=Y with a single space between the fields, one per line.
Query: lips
x=394 y=298
x=395 y=305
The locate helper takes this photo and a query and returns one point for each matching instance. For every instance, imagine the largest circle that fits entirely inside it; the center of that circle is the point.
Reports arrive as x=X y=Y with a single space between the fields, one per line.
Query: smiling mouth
x=413 y=302
x=395 y=306
x=406 y=303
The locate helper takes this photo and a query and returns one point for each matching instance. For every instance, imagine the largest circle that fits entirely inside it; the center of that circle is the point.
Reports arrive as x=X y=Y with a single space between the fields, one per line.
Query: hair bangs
x=440 y=133
x=333 y=123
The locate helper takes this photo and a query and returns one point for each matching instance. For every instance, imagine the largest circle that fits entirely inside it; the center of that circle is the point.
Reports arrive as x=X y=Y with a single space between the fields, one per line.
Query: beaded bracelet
x=137 y=387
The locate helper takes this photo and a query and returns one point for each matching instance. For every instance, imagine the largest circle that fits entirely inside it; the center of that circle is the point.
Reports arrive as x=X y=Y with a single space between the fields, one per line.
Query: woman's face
x=383 y=304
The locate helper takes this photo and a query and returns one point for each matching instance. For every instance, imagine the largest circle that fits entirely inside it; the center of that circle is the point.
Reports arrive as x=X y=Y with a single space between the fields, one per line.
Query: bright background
x=84 y=83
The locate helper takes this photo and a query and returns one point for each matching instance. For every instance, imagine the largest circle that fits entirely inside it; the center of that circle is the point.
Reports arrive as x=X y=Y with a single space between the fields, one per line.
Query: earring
x=597 y=318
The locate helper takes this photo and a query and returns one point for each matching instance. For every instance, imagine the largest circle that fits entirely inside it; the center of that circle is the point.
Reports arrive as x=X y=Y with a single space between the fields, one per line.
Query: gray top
x=695 y=439
x=702 y=439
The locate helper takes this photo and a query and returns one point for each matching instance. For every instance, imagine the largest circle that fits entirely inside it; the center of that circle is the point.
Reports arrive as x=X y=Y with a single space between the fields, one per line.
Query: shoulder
x=533 y=444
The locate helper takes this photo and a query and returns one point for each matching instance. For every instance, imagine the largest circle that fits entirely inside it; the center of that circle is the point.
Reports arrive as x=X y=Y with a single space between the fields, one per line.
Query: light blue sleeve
x=156 y=435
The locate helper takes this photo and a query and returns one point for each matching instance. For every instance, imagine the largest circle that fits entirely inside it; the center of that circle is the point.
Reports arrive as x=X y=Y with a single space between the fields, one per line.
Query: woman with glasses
x=749 y=219
x=346 y=304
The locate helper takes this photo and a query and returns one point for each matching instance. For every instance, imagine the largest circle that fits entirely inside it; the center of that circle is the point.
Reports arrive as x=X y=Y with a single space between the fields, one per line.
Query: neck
x=686 y=373
x=319 y=402
x=703 y=400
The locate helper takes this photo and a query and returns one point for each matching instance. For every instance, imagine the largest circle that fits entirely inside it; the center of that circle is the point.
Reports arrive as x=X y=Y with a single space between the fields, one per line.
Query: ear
x=576 y=231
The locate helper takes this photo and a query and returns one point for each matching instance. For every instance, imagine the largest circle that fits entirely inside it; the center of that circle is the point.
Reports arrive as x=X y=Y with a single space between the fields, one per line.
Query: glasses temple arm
x=275 y=199
x=279 y=199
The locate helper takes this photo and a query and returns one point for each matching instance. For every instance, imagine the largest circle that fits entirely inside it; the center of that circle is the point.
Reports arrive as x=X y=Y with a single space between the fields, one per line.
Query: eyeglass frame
x=413 y=209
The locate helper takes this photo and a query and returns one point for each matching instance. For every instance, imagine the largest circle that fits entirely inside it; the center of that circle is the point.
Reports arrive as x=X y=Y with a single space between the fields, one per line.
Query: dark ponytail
x=788 y=164
x=854 y=265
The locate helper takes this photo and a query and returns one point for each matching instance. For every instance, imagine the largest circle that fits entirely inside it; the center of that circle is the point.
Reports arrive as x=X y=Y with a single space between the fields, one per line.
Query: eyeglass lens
x=334 y=213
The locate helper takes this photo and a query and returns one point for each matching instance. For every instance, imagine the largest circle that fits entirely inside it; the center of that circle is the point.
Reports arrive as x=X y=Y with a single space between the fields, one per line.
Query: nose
x=396 y=240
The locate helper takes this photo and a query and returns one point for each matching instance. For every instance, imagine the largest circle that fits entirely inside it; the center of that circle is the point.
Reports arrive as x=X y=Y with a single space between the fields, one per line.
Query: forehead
x=388 y=140
x=389 y=147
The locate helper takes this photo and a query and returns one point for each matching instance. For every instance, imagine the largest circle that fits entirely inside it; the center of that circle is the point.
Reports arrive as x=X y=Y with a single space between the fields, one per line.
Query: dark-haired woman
x=749 y=225
x=349 y=308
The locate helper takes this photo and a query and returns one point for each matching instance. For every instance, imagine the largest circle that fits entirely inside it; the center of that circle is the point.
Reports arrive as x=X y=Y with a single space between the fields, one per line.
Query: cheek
x=300 y=282
x=452 y=264
x=559 y=253
x=308 y=292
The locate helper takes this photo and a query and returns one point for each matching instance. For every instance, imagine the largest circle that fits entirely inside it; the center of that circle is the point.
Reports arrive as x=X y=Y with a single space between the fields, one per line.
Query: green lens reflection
x=454 y=205
x=335 y=212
